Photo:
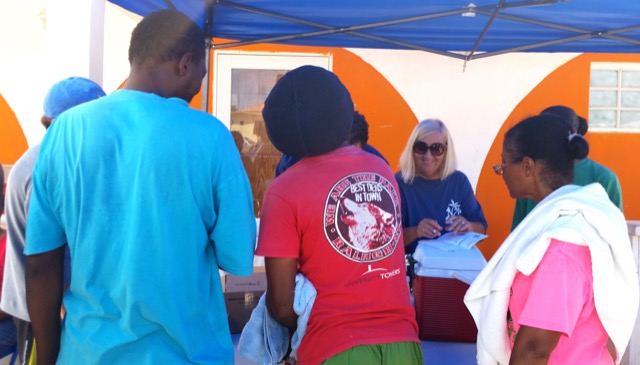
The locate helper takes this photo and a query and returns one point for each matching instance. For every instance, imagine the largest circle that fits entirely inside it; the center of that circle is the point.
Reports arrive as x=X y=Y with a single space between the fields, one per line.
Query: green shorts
x=406 y=353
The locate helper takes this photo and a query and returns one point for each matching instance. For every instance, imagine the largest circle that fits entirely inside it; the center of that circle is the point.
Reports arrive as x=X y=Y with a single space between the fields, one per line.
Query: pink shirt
x=558 y=296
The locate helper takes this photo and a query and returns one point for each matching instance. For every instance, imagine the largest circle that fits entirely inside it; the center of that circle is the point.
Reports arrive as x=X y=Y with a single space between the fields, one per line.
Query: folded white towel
x=264 y=340
x=305 y=296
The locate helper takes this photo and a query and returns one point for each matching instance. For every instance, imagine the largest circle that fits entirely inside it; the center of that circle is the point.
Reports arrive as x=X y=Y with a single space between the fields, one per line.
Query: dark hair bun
x=583 y=126
x=578 y=146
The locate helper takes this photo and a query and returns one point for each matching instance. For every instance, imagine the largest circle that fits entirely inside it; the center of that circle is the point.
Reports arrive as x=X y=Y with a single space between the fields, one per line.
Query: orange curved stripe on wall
x=390 y=118
x=568 y=85
x=13 y=143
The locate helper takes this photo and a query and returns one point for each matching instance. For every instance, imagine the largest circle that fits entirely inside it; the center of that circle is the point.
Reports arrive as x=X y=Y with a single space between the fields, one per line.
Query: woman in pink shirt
x=552 y=309
x=562 y=288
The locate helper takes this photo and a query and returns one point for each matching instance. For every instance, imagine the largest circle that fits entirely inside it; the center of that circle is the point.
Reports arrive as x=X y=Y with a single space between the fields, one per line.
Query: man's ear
x=184 y=63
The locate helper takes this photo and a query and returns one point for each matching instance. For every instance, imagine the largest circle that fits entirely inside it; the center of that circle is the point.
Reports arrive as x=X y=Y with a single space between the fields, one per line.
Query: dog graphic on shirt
x=370 y=227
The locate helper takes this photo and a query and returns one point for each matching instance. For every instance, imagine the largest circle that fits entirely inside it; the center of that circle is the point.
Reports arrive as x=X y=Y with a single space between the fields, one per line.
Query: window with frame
x=242 y=82
x=614 y=97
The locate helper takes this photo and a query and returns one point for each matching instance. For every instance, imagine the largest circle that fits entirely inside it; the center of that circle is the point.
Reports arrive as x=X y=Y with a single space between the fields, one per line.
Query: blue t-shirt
x=439 y=200
x=369 y=148
x=285 y=162
x=152 y=199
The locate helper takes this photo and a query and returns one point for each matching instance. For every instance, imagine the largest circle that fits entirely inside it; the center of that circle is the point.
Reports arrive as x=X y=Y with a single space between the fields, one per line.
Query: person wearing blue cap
x=63 y=95
x=68 y=93
x=152 y=200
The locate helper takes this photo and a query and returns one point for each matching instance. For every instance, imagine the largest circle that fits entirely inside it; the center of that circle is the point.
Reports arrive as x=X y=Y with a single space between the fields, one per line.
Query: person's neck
x=137 y=82
x=148 y=80
x=434 y=177
x=541 y=192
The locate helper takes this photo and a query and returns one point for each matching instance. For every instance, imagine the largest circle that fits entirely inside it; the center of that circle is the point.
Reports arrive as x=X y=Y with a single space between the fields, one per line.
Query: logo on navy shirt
x=362 y=217
x=453 y=209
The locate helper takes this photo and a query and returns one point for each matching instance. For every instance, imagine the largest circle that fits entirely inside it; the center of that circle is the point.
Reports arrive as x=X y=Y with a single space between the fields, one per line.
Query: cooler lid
x=430 y=256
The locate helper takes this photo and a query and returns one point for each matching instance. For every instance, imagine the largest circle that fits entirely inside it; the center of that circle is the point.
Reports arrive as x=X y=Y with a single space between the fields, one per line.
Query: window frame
x=620 y=68
x=225 y=61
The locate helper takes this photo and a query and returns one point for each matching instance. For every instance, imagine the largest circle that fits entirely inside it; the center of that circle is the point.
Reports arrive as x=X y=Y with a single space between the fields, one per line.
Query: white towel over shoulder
x=572 y=213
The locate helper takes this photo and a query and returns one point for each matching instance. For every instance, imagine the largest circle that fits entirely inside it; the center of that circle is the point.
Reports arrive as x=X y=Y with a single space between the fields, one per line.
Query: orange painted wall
x=567 y=85
x=13 y=143
x=389 y=116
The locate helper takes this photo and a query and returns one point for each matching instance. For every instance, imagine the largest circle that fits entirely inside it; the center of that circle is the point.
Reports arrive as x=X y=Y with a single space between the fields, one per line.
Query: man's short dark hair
x=359 y=130
x=164 y=36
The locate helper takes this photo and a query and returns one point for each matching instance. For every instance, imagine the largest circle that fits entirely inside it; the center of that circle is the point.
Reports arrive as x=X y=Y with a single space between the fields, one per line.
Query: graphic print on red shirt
x=362 y=217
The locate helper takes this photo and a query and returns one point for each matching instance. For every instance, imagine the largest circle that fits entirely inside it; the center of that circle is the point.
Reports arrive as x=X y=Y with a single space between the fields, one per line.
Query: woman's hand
x=428 y=228
x=457 y=224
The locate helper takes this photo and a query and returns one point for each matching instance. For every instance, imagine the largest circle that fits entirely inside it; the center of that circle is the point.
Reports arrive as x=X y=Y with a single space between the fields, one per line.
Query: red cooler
x=443 y=275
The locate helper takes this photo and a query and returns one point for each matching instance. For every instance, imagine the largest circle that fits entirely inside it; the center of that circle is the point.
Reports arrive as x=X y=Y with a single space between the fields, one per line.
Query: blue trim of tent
x=454 y=28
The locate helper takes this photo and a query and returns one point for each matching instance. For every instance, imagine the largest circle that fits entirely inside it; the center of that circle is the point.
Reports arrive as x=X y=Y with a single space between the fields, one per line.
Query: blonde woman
x=436 y=197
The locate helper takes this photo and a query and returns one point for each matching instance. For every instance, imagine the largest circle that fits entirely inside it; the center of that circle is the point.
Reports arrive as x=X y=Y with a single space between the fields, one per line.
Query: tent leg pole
x=208 y=31
x=205 y=82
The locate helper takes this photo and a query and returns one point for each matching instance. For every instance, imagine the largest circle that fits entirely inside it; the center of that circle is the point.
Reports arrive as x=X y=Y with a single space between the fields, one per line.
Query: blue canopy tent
x=455 y=28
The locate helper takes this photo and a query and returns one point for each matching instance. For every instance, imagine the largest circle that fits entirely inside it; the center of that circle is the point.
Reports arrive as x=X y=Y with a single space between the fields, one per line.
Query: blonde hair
x=423 y=129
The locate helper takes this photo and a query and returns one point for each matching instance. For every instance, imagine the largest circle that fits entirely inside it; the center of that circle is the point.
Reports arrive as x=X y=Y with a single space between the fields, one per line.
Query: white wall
x=472 y=102
x=43 y=41
x=21 y=59
x=118 y=27
x=74 y=40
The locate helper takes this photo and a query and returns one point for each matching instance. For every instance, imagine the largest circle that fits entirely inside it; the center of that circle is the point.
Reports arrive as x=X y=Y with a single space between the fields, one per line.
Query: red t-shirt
x=339 y=215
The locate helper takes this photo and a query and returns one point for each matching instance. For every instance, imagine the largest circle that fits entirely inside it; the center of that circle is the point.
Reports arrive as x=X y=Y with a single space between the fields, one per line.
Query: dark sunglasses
x=421 y=148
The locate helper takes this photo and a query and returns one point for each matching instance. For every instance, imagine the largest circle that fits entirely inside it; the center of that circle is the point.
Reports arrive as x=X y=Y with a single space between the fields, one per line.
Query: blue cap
x=69 y=93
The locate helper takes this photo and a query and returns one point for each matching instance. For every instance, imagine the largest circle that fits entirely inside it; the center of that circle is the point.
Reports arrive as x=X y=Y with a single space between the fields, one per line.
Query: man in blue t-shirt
x=151 y=198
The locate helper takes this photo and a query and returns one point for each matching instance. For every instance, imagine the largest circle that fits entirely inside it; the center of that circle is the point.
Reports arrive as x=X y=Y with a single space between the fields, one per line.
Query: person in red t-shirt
x=334 y=217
